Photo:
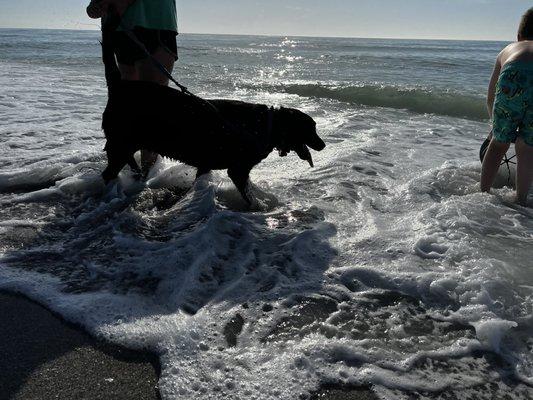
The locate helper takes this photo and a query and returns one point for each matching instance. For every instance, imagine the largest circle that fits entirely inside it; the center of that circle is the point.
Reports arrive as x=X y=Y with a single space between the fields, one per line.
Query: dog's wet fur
x=206 y=134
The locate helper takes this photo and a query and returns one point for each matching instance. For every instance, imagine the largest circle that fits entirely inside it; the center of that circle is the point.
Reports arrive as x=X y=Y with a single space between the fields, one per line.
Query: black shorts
x=128 y=52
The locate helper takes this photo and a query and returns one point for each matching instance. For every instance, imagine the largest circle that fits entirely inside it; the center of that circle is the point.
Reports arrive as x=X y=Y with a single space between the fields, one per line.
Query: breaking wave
x=416 y=100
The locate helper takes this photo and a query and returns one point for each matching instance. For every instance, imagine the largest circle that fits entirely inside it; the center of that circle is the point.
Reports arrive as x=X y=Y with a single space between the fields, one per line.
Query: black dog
x=208 y=135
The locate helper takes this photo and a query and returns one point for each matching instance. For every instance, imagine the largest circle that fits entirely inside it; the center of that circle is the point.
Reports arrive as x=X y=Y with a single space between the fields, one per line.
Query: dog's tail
x=112 y=73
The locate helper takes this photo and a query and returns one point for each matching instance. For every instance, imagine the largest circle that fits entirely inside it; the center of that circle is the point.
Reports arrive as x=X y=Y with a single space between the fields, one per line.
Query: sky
x=413 y=19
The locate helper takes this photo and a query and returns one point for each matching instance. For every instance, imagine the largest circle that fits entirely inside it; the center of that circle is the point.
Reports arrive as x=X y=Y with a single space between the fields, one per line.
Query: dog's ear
x=304 y=154
x=310 y=136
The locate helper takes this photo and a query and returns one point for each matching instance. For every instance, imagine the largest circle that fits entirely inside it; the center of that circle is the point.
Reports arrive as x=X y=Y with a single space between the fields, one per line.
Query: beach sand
x=44 y=357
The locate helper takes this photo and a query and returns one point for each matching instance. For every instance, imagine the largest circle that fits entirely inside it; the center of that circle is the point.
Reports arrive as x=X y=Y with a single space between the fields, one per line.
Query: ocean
x=383 y=266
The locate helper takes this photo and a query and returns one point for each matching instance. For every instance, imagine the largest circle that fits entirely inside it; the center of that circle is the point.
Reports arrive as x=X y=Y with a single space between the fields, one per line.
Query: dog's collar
x=279 y=142
x=270 y=129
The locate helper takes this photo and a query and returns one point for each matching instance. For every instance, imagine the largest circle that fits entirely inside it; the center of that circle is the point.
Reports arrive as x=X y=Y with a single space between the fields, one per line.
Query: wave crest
x=416 y=100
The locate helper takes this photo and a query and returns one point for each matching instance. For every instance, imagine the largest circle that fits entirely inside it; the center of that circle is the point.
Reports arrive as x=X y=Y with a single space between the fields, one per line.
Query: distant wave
x=416 y=100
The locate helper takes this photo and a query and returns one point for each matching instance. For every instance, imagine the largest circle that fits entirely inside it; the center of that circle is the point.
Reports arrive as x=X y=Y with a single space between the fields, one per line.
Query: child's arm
x=492 y=86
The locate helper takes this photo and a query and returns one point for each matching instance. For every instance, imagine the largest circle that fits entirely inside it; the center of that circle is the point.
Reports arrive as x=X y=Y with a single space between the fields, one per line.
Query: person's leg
x=128 y=72
x=507 y=116
x=524 y=170
x=491 y=163
x=126 y=53
x=135 y=66
x=148 y=72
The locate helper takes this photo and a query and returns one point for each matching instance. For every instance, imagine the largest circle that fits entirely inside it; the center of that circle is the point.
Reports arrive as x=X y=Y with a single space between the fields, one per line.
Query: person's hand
x=97 y=8
x=120 y=6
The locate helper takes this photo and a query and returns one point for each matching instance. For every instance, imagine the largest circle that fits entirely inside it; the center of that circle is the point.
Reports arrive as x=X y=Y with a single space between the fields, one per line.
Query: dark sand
x=42 y=357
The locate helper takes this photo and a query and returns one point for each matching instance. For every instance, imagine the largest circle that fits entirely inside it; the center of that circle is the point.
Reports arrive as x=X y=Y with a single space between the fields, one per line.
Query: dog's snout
x=316 y=143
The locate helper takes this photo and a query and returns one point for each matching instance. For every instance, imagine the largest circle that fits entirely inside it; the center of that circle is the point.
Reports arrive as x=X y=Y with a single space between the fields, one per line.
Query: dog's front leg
x=116 y=160
x=240 y=177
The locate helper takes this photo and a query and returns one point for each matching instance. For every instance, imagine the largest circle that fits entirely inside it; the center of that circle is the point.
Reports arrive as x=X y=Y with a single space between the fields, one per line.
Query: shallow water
x=382 y=266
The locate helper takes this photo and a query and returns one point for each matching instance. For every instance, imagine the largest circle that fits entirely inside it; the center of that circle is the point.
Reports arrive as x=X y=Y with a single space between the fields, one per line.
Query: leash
x=506 y=160
x=167 y=74
x=154 y=61
x=131 y=35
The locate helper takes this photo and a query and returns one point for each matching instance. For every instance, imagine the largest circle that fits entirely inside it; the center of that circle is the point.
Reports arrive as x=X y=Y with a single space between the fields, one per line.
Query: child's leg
x=524 y=170
x=491 y=163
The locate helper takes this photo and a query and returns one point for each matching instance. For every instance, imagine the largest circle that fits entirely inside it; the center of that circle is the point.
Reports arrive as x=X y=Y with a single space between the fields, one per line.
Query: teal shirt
x=151 y=14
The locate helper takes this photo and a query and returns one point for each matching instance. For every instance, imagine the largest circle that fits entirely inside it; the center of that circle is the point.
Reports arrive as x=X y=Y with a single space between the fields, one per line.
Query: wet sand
x=44 y=357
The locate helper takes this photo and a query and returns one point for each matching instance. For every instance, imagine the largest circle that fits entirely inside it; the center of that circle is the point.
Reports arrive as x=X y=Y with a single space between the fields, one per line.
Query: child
x=510 y=103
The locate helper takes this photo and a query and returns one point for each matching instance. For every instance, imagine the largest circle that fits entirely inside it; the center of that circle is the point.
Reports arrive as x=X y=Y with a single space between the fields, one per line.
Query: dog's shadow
x=174 y=240
x=174 y=244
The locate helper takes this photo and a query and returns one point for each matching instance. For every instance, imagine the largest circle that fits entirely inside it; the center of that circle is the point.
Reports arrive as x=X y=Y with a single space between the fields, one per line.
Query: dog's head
x=296 y=131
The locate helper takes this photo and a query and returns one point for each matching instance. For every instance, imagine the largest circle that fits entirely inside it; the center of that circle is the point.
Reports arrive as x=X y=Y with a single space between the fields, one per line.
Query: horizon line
x=280 y=35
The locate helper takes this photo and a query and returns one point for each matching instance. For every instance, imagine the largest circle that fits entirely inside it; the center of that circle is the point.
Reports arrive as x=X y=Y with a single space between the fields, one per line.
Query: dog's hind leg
x=240 y=177
x=135 y=167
